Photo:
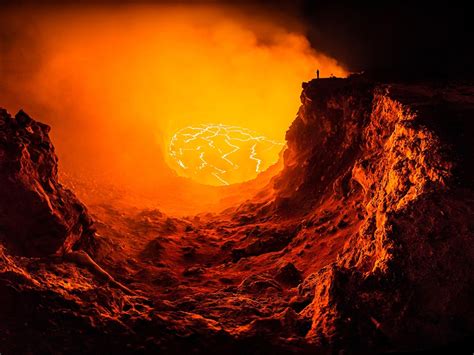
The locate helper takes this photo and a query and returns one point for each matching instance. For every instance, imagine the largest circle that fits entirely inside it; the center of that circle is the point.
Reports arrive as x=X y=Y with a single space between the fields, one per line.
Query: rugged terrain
x=363 y=242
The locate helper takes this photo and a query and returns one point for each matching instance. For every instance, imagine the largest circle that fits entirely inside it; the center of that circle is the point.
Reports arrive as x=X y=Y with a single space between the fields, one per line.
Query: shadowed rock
x=38 y=216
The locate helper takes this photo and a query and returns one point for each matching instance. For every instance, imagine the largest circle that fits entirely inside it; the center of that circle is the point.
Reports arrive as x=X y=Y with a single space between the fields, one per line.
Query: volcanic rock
x=38 y=216
x=288 y=275
x=407 y=267
x=362 y=243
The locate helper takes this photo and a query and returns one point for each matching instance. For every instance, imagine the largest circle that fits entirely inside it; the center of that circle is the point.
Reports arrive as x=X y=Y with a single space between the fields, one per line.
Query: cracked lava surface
x=220 y=154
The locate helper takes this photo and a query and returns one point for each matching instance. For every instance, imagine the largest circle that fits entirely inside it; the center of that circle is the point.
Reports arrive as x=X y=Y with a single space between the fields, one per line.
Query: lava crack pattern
x=218 y=154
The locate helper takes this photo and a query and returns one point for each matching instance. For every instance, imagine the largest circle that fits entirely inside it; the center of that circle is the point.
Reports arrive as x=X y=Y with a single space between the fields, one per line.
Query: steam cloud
x=116 y=82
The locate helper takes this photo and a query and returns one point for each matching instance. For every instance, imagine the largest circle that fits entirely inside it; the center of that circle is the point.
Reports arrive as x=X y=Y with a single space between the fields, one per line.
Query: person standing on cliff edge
x=317 y=74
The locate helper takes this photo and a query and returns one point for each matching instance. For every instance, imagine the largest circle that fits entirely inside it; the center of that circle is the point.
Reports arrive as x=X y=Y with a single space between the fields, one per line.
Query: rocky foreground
x=364 y=242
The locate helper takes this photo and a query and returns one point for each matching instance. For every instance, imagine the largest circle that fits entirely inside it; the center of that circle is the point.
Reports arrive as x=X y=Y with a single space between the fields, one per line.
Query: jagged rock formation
x=403 y=277
x=37 y=215
x=363 y=242
x=53 y=296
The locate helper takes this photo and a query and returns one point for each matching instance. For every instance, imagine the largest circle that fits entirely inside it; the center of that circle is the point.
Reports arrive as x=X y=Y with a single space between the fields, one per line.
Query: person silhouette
x=317 y=74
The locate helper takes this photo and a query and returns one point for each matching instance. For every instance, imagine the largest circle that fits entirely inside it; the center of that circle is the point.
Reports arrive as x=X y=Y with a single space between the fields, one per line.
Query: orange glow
x=116 y=85
x=216 y=154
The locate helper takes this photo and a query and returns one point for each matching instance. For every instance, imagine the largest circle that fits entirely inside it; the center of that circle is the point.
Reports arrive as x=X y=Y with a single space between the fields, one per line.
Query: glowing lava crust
x=218 y=154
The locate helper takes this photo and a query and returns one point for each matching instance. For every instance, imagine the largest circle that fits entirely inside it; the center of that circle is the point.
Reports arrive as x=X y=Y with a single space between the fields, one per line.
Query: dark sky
x=391 y=39
x=388 y=39
x=395 y=39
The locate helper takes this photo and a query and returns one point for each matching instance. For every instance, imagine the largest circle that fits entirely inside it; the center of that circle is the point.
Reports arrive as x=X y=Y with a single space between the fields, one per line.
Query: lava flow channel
x=218 y=154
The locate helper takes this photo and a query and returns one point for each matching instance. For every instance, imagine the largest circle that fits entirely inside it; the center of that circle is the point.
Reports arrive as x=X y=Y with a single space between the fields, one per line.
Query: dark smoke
x=387 y=39
x=395 y=40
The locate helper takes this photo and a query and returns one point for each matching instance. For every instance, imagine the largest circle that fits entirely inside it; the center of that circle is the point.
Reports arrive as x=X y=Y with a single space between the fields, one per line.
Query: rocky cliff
x=400 y=154
x=363 y=242
x=38 y=216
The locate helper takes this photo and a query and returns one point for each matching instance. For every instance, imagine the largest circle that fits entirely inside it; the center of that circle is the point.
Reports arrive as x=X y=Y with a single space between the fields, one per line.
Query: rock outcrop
x=403 y=278
x=38 y=216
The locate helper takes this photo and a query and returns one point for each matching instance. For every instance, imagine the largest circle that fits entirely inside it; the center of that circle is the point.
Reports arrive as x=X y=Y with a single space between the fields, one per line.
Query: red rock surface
x=363 y=242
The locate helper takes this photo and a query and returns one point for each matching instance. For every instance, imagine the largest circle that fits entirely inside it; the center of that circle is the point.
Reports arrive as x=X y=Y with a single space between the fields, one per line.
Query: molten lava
x=218 y=154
